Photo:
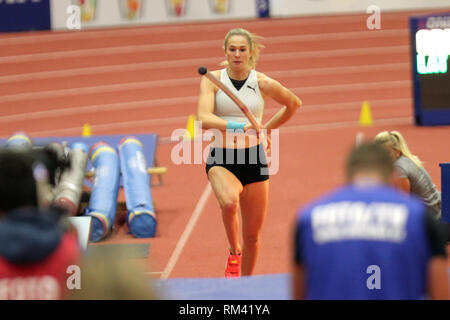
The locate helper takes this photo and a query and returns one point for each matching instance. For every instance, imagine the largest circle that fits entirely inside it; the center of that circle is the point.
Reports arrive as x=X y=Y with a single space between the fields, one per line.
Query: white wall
x=154 y=12
x=280 y=8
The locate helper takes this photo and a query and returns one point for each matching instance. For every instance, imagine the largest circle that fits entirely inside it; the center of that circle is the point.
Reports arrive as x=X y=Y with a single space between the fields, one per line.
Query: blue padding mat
x=149 y=142
x=260 y=287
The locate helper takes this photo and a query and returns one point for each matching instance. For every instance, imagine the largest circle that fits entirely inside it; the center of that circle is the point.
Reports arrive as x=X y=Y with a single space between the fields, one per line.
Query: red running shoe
x=233 y=269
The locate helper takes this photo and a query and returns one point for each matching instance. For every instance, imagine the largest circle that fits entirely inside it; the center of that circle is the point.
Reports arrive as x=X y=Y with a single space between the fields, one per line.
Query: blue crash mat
x=149 y=142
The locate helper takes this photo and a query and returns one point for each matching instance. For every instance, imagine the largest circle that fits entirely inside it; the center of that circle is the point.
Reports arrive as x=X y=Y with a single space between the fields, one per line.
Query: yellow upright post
x=190 y=128
x=86 y=130
x=365 y=118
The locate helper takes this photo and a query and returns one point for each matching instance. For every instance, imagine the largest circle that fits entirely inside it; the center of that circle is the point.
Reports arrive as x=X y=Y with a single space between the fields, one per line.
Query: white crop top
x=226 y=109
x=249 y=94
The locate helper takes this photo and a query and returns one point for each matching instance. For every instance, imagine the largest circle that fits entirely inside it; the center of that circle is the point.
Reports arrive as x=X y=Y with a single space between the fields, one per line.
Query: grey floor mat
x=131 y=250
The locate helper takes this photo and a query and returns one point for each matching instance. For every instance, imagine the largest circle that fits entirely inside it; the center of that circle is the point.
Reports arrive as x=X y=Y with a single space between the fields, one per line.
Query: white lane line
x=215 y=43
x=383 y=67
x=44 y=75
x=107 y=126
x=118 y=68
x=42 y=37
x=187 y=232
x=165 y=102
x=95 y=89
x=145 y=123
x=89 y=110
x=353 y=86
x=145 y=48
x=344 y=124
x=324 y=126
x=164 y=83
x=171 y=120
x=348 y=105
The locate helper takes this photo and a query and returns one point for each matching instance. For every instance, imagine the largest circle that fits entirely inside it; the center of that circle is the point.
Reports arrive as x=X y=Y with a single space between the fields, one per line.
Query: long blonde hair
x=395 y=140
x=254 y=42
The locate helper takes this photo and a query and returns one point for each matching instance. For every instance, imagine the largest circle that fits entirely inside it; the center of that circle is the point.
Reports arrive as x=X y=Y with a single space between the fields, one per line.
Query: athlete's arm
x=275 y=90
x=205 y=110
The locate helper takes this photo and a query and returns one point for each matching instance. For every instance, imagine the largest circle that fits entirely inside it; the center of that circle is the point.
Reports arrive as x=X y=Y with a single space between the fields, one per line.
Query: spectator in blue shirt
x=367 y=240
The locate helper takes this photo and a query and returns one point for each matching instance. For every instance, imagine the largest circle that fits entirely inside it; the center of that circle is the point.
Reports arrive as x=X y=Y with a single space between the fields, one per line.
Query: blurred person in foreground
x=109 y=274
x=368 y=240
x=36 y=246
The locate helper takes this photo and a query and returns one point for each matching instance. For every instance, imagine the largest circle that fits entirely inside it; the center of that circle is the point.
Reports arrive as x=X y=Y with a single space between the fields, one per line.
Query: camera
x=30 y=174
x=54 y=157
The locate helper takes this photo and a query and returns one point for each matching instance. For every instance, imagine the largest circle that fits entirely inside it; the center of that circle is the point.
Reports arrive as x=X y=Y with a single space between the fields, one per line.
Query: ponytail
x=395 y=140
x=403 y=147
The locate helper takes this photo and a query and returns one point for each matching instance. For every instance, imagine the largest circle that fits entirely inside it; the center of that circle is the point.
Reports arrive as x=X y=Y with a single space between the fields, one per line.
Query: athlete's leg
x=227 y=189
x=254 y=202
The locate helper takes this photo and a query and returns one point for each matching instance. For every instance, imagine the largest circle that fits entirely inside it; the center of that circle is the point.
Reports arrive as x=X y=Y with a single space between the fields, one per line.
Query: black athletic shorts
x=248 y=165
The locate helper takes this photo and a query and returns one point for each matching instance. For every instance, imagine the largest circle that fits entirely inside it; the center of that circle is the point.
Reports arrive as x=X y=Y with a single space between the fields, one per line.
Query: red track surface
x=144 y=80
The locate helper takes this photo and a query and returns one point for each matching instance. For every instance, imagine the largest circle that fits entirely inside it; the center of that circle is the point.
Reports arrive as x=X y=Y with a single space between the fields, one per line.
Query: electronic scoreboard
x=430 y=49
